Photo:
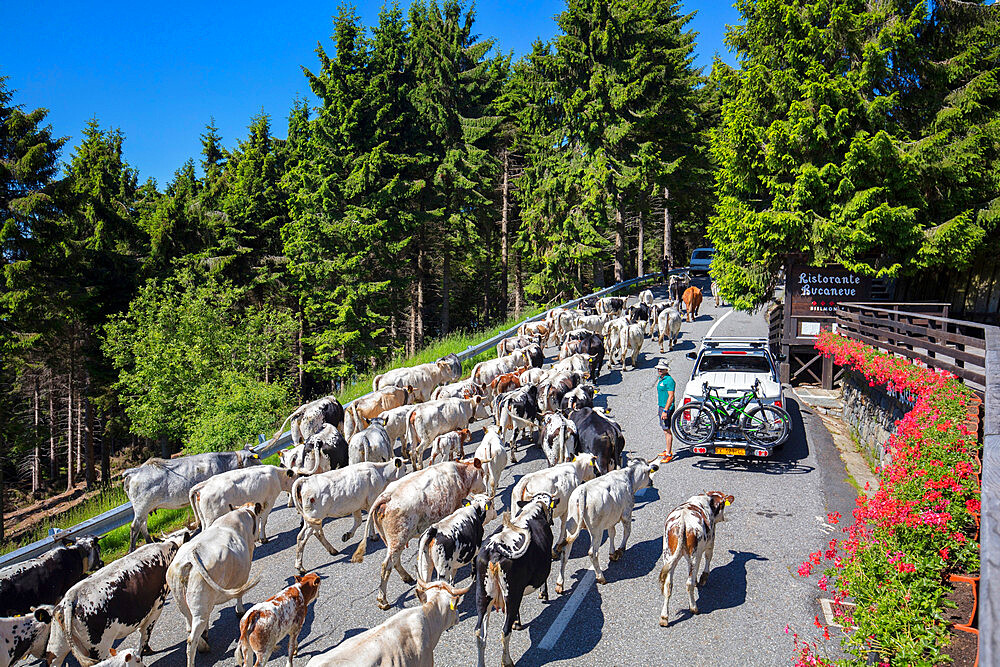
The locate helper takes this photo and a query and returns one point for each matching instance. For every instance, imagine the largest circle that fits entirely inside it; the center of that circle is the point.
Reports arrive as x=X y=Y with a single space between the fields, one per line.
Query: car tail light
x=778 y=403
x=686 y=400
x=700 y=450
x=761 y=452
x=733 y=352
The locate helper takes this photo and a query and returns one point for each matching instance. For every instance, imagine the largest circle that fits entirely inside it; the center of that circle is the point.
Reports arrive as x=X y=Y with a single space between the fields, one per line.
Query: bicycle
x=763 y=425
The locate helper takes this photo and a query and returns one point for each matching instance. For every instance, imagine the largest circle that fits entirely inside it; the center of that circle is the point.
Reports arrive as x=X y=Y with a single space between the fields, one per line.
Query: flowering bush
x=917 y=527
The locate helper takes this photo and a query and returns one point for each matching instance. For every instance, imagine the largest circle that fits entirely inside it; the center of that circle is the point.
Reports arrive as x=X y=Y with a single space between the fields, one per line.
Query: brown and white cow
x=493 y=455
x=362 y=411
x=508 y=345
x=268 y=622
x=431 y=419
x=407 y=508
x=486 y=371
x=407 y=639
x=689 y=533
x=692 y=301
x=420 y=380
x=450 y=446
x=536 y=330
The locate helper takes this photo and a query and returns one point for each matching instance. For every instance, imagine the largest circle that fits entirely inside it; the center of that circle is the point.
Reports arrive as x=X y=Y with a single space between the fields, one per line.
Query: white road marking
x=717 y=323
x=562 y=620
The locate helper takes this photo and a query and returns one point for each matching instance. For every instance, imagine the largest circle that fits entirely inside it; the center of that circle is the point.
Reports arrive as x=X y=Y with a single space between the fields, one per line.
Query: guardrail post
x=989 y=544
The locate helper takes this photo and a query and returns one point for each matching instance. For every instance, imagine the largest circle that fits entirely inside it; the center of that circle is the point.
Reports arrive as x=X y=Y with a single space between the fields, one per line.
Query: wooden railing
x=920 y=331
x=972 y=352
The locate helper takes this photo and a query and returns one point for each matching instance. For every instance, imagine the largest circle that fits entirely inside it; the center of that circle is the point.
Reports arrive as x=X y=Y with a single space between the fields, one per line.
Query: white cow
x=345 y=492
x=594 y=323
x=669 y=322
x=395 y=422
x=431 y=419
x=213 y=568
x=646 y=297
x=450 y=446
x=559 y=481
x=630 y=340
x=406 y=640
x=577 y=363
x=486 y=371
x=600 y=505
x=493 y=455
x=422 y=379
x=612 y=332
x=462 y=389
x=217 y=495
x=372 y=444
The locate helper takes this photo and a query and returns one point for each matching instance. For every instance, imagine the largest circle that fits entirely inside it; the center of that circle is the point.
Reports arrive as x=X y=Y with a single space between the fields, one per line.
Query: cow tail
x=411 y=434
x=231 y=592
x=575 y=515
x=375 y=381
x=425 y=564
x=496 y=586
x=670 y=559
x=371 y=523
x=247 y=625
x=193 y=501
x=297 y=495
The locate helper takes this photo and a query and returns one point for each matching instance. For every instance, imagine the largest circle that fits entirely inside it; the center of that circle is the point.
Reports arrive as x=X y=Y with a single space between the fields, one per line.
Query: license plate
x=731 y=451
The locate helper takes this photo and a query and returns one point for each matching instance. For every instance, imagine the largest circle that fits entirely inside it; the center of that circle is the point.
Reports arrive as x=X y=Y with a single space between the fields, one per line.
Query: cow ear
x=554 y=503
x=398 y=462
x=522 y=503
x=113 y=652
x=258 y=508
x=477 y=464
x=42 y=615
x=289 y=472
x=231 y=508
x=653 y=468
x=729 y=500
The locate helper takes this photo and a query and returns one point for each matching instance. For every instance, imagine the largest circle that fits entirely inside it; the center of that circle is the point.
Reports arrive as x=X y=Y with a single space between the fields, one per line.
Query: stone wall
x=871 y=413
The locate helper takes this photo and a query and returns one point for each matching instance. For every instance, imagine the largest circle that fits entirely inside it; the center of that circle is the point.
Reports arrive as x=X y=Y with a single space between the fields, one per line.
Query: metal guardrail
x=122 y=515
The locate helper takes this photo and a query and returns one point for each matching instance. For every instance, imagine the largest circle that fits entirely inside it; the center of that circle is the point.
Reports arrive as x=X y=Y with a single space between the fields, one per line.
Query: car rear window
x=701 y=254
x=734 y=363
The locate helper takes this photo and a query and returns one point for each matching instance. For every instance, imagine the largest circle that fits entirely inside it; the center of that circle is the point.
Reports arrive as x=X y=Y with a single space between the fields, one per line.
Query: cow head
x=641 y=474
x=42 y=613
x=309 y=585
x=442 y=596
x=546 y=502
x=484 y=506
x=90 y=549
x=586 y=466
x=719 y=501
x=128 y=657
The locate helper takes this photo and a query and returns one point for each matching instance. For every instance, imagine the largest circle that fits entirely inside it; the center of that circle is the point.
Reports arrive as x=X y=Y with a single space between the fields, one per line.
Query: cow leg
x=693 y=565
x=293 y=644
x=595 y=542
x=560 y=541
x=709 y=552
x=300 y=545
x=266 y=510
x=510 y=623
x=667 y=578
x=321 y=536
x=543 y=594
x=383 y=602
x=240 y=609
x=58 y=646
x=357 y=522
x=146 y=629
x=196 y=638
x=567 y=547
x=482 y=626
x=398 y=564
x=626 y=531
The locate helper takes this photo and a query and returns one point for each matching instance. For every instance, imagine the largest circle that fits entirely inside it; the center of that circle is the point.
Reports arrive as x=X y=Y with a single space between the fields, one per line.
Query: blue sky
x=159 y=71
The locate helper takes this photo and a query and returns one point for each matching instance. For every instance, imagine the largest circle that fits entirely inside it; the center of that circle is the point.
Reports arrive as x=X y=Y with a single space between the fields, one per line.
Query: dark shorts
x=665 y=415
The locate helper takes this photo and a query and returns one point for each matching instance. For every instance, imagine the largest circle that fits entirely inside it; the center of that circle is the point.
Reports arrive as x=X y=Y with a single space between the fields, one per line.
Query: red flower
x=833 y=517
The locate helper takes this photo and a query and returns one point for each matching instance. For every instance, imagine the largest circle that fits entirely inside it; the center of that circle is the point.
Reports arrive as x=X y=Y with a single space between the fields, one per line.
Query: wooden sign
x=814 y=292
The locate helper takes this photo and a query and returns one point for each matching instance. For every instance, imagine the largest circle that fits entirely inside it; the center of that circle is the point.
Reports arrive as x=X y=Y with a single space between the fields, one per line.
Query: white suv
x=734 y=366
x=701 y=260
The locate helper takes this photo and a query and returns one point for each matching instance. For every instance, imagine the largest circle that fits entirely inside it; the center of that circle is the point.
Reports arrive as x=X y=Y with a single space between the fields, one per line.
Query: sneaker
x=665 y=457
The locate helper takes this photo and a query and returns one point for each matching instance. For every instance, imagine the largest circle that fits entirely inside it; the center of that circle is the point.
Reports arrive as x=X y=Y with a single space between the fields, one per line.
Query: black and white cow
x=591 y=345
x=326 y=450
x=535 y=355
x=21 y=636
x=600 y=436
x=580 y=397
x=517 y=411
x=517 y=559
x=454 y=540
x=638 y=313
x=45 y=579
x=120 y=598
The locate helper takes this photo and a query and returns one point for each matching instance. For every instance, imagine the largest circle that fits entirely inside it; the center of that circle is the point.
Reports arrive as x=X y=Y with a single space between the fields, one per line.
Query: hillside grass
x=115 y=543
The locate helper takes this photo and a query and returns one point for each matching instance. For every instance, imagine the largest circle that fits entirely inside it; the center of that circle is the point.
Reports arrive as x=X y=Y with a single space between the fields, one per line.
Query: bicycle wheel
x=766 y=426
x=693 y=424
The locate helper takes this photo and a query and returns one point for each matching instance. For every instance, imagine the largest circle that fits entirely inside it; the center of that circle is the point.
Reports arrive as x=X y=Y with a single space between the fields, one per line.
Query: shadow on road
x=639 y=560
x=580 y=637
x=726 y=586
x=786 y=461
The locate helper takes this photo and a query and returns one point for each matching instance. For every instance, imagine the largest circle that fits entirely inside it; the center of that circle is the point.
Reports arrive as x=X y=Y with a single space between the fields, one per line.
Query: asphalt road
x=753 y=590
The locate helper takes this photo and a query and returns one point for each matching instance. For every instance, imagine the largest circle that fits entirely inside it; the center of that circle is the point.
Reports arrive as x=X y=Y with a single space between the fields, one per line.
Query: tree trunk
x=88 y=435
x=3 y=447
x=107 y=443
x=640 y=269
x=518 y=286
x=598 y=273
x=619 y=240
x=668 y=230
x=79 y=436
x=36 y=463
x=445 y=310
x=69 y=430
x=504 y=248
x=418 y=338
x=53 y=463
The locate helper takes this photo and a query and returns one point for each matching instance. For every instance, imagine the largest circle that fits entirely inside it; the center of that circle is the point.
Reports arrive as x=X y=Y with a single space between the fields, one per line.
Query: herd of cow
x=344 y=463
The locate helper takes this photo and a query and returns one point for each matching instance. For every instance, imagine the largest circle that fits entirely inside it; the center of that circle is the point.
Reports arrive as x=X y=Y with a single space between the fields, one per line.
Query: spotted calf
x=690 y=533
x=268 y=622
x=452 y=542
x=21 y=636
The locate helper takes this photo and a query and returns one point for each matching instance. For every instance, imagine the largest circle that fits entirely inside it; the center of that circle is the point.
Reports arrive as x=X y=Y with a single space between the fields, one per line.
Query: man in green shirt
x=665 y=387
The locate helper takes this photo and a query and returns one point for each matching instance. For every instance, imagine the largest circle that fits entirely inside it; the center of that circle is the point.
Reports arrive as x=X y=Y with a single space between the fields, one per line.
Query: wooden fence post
x=989 y=545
